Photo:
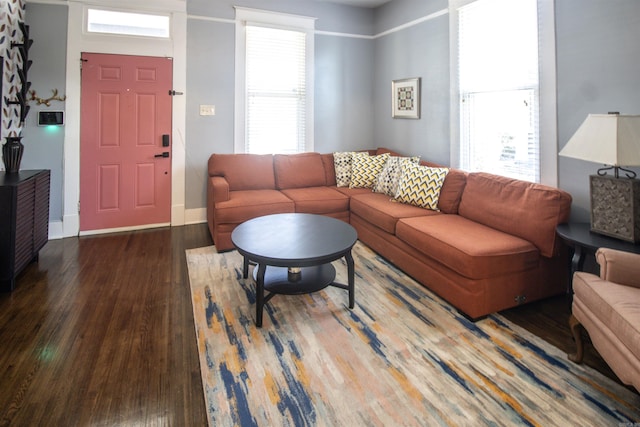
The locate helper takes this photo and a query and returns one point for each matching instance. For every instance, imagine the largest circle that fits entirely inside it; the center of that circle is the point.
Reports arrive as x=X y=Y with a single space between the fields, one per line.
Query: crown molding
x=156 y=5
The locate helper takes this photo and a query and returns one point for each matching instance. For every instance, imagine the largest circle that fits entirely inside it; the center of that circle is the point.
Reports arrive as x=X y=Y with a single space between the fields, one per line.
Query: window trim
x=277 y=20
x=547 y=125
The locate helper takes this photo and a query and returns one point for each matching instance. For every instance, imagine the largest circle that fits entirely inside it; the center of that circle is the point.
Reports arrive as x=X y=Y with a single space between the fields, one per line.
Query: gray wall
x=343 y=94
x=597 y=71
x=44 y=145
x=210 y=80
x=598 y=62
x=343 y=80
x=330 y=16
x=421 y=51
x=399 y=12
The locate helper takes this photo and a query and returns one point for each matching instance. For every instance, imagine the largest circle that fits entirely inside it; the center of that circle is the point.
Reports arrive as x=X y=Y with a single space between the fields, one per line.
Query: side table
x=579 y=236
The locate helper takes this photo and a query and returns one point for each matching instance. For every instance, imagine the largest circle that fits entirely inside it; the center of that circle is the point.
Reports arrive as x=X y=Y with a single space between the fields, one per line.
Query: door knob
x=163 y=154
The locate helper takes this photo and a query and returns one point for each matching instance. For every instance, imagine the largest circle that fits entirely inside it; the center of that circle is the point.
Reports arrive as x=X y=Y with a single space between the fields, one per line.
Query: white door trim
x=78 y=42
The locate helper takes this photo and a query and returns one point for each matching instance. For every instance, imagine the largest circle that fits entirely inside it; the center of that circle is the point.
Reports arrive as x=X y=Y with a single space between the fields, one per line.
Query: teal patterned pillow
x=387 y=182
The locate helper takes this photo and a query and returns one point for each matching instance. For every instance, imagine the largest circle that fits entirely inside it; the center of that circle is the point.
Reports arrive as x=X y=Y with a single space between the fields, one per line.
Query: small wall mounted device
x=50 y=118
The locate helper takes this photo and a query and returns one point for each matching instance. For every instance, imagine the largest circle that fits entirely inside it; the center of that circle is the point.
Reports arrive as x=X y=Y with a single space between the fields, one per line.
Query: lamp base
x=615 y=207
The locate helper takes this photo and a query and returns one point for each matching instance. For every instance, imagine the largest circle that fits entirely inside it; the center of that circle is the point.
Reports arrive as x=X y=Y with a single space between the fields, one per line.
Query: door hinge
x=78 y=207
x=174 y=93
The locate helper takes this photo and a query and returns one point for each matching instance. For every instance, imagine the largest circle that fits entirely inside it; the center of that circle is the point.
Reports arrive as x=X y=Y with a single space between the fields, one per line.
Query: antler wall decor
x=47 y=101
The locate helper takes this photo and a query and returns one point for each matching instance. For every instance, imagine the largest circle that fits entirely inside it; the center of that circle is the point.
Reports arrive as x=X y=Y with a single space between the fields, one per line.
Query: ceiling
x=360 y=3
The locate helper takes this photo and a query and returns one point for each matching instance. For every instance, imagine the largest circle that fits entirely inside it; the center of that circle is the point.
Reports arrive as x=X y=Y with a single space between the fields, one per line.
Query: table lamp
x=613 y=140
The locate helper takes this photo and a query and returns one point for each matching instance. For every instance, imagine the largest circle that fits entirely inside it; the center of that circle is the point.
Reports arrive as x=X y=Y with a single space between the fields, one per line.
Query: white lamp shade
x=610 y=139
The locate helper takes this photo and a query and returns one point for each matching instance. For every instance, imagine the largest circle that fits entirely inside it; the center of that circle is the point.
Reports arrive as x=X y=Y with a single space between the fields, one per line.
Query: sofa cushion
x=451 y=191
x=382 y=211
x=329 y=169
x=234 y=167
x=527 y=210
x=299 y=170
x=420 y=185
x=318 y=200
x=472 y=250
x=352 y=191
x=342 y=164
x=387 y=181
x=365 y=169
x=452 y=188
x=614 y=305
x=245 y=205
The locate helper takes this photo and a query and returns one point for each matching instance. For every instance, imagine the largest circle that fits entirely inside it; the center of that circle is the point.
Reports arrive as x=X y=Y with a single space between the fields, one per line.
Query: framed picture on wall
x=405 y=98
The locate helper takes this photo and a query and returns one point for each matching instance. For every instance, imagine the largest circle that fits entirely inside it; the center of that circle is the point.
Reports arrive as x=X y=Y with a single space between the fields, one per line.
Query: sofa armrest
x=218 y=189
x=619 y=267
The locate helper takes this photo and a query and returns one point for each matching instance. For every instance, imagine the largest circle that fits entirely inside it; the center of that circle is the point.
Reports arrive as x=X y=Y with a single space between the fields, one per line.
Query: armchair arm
x=619 y=267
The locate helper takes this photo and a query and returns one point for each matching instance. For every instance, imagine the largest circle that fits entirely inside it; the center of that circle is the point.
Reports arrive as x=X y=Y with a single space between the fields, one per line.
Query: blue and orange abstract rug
x=402 y=356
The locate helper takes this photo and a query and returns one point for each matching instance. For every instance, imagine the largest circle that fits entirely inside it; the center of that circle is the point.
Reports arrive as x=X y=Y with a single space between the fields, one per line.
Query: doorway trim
x=77 y=42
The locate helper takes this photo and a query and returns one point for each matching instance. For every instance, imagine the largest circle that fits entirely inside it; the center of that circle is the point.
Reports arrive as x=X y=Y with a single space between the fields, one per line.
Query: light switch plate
x=207 y=110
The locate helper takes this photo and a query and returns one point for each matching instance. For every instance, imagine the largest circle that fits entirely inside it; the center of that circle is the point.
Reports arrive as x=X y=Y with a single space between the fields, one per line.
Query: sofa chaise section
x=491 y=246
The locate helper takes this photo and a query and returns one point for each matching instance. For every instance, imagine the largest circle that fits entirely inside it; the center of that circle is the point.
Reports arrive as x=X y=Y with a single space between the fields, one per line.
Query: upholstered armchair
x=608 y=307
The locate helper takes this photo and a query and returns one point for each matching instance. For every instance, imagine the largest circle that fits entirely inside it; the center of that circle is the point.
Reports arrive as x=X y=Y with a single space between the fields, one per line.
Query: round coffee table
x=293 y=253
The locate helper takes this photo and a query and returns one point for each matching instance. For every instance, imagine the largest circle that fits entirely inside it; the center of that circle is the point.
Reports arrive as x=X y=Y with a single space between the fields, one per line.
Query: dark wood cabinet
x=24 y=221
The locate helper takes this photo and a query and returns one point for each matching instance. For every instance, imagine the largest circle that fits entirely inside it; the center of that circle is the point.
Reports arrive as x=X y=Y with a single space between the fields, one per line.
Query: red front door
x=125 y=141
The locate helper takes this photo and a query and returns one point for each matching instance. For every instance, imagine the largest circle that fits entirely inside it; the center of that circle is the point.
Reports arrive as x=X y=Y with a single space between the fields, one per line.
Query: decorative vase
x=12 y=154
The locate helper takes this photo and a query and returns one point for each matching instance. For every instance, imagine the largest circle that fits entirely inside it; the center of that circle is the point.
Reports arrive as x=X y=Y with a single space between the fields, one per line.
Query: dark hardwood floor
x=100 y=332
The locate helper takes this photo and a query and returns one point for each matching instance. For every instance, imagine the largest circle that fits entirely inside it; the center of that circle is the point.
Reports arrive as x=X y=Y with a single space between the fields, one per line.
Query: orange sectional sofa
x=491 y=245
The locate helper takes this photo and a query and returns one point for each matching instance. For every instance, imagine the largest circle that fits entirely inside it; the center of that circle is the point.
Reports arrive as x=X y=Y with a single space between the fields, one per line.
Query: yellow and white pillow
x=365 y=169
x=421 y=185
x=387 y=182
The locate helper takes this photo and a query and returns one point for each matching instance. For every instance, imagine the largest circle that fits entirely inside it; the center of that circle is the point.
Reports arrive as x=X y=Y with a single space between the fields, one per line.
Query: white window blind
x=499 y=88
x=276 y=90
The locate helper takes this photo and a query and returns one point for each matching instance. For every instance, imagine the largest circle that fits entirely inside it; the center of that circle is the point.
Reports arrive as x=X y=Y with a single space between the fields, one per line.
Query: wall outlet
x=207 y=110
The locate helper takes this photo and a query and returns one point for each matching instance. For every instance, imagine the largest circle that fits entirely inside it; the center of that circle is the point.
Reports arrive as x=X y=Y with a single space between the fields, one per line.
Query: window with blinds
x=498 y=79
x=276 y=92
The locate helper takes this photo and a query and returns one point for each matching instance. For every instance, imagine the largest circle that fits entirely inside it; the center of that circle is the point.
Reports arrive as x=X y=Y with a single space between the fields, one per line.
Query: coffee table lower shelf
x=312 y=279
x=276 y=281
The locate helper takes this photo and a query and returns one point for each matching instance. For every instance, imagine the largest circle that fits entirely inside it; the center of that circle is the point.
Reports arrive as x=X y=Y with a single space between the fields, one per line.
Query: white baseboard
x=121 y=229
x=195 y=216
x=56 y=230
x=177 y=215
x=70 y=224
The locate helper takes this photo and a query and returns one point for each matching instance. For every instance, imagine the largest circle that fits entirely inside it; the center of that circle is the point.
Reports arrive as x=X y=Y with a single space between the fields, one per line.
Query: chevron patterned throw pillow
x=420 y=185
x=387 y=182
x=365 y=169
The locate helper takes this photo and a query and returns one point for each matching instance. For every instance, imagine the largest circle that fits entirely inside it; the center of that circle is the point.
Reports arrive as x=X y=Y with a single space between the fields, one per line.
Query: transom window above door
x=128 y=23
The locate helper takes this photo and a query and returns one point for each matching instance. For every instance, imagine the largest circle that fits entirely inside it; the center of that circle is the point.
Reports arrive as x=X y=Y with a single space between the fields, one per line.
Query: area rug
x=402 y=356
